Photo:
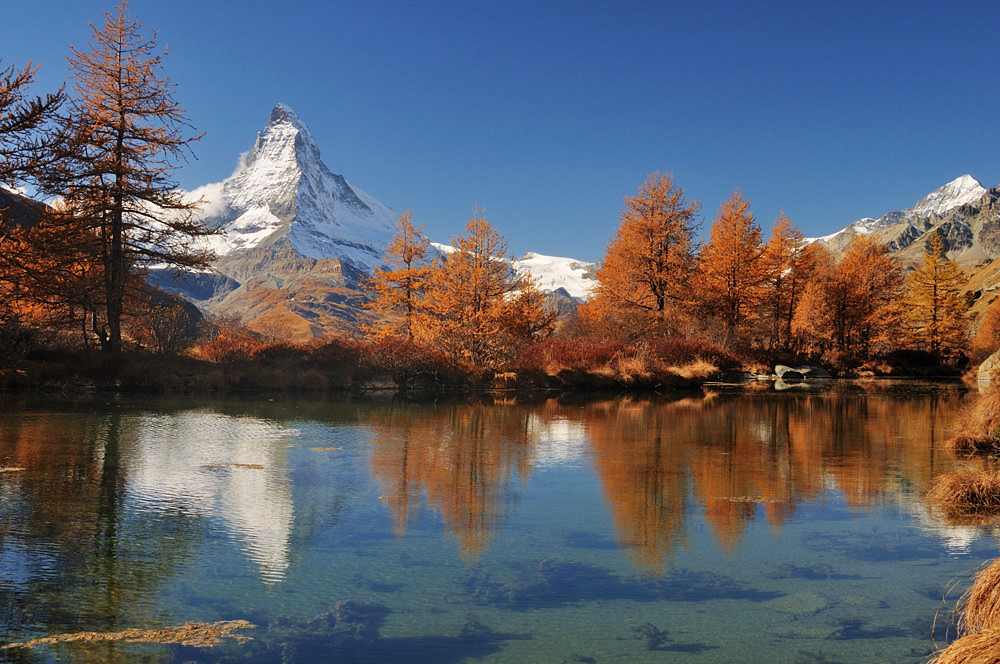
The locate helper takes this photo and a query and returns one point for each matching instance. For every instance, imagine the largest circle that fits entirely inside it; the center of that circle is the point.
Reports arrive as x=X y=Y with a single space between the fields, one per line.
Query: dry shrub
x=967 y=491
x=979 y=648
x=309 y=380
x=231 y=344
x=408 y=362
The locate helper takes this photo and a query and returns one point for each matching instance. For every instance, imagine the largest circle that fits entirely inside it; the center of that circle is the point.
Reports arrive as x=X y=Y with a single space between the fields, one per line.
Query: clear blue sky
x=546 y=114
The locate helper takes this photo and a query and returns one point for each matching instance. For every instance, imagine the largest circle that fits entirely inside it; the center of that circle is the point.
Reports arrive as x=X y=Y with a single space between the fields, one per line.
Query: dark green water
x=735 y=527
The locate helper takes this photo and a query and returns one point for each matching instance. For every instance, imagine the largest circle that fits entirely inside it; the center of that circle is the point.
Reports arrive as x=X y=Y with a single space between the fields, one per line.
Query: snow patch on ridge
x=553 y=272
x=549 y=272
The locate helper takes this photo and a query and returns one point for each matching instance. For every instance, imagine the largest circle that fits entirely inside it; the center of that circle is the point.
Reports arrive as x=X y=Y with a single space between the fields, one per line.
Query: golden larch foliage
x=475 y=308
x=644 y=279
x=732 y=268
x=399 y=284
x=788 y=266
x=935 y=310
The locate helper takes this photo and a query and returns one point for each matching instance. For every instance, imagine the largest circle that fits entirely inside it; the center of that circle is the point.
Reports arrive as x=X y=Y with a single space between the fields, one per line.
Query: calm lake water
x=738 y=526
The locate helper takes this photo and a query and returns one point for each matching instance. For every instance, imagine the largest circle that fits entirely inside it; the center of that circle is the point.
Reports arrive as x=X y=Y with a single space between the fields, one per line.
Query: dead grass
x=200 y=635
x=979 y=427
x=973 y=445
x=699 y=368
x=980 y=605
x=967 y=491
x=10 y=469
x=630 y=369
x=979 y=648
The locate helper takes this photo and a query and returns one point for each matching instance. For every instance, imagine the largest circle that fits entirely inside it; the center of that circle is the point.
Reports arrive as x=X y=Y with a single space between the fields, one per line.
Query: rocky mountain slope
x=966 y=214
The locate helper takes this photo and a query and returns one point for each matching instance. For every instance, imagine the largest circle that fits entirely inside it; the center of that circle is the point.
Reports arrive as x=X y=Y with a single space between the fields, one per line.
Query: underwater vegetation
x=651 y=634
x=555 y=583
x=347 y=631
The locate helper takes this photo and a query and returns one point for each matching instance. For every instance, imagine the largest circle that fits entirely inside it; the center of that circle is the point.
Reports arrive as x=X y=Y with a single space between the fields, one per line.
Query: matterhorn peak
x=283 y=190
x=960 y=191
x=283 y=113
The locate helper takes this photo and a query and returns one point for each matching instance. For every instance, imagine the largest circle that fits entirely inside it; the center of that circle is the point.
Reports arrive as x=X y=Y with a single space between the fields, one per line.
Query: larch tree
x=811 y=325
x=26 y=135
x=935 y=309
x=399 y=284
x=788 y=264
x=126 y=134
x=732 y=269
x=863 y=297
x=644 y=281
x=478 y=310
x=987 y=338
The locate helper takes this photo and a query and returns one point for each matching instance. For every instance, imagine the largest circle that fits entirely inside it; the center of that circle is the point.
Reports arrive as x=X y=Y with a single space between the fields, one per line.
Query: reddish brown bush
x=680 y=352
x=231 y=344
x=554 y=355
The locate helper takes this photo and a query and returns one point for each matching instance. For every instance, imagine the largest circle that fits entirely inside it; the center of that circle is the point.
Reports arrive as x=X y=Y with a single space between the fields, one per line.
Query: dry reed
x=979 y=607
x=967 y=491
x=698 y=368
x=979 y=427
x=979 y=648
x=201 y=635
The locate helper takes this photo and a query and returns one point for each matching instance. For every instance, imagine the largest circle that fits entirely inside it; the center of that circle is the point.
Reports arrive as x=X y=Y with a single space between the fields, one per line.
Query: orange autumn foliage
x=732 y=269
x=400 y=283
x=475 y=308
x=854 y=306
x=789 y=264
x=935 y=308
x=644 y=280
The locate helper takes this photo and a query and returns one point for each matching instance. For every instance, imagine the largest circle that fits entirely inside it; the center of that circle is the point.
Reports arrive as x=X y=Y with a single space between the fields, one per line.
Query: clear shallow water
x=737 y=527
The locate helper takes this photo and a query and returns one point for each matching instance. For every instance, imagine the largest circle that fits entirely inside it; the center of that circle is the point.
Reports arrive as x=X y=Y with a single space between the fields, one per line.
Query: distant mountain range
x=298 y=238
x=963 y=212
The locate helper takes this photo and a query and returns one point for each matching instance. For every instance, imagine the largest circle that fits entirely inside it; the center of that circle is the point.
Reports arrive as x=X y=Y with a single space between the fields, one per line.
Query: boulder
x=988 y=369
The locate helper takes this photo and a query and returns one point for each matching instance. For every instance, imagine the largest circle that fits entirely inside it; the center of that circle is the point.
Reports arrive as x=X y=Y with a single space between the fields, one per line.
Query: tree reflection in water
x=735 y=457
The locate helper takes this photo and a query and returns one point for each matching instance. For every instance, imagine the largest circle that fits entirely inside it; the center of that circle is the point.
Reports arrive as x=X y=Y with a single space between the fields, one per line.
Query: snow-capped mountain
x=958 y=192
x=297 y=239
x=962 y=211
x=553 y=274
x=282 y=190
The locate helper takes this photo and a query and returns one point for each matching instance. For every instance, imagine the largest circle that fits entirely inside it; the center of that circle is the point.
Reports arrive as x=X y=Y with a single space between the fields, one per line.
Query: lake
x=734 y=525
